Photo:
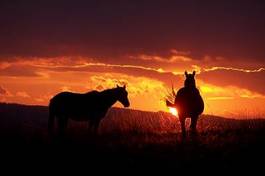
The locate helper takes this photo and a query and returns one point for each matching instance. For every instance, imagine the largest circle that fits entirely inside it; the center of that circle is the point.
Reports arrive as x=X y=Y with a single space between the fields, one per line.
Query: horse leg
x=89 y=127
x=182 y=123
x=93 y=126
x=193 y=124
x=51 y=124
x=62 y=123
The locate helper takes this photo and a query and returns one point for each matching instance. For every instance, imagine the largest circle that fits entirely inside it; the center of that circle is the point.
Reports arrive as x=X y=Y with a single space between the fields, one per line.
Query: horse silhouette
x=188 y=102
x=91 y=106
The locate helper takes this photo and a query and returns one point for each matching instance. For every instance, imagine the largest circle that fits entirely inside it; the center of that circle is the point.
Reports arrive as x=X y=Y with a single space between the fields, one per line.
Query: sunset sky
x=52 y=46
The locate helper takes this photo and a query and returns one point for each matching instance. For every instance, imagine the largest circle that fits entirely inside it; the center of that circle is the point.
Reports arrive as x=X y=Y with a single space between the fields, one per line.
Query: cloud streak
x=234 y=69
x=22 y=94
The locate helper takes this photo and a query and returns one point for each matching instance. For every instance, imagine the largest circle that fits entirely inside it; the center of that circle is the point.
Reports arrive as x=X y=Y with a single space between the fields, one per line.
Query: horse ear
x=124 y=86
x=186 y=73
x=193 y=73
x=117 y=85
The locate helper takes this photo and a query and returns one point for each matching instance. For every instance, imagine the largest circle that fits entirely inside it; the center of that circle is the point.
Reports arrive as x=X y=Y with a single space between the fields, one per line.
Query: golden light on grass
x=173 y=111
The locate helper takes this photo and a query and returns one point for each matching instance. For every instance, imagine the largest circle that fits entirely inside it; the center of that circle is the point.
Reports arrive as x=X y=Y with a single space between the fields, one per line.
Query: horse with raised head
x=188 y=102
x=91 y=106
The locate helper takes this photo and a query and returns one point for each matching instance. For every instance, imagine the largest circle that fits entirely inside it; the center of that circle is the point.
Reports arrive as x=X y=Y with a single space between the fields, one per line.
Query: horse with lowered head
x=91 y=106
x=188 y=102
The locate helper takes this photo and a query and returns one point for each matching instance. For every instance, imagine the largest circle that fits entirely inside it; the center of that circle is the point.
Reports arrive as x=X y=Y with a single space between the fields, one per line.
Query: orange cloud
x=171 y=59
x=252 y=80
x=135 y=70
x=3 y=91
x=19 y=70
x=22 y=94
x=174 y=57
x=144 y=93
x=213 y=92
x=35 y=81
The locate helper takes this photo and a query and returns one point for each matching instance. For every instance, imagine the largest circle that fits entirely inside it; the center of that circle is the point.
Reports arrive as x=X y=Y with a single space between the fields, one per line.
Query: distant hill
x=18 y=117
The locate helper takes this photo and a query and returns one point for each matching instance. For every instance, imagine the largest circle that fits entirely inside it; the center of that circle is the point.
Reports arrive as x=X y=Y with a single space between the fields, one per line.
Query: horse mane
x=103 y=91
x=93 y=92
x=106 y=91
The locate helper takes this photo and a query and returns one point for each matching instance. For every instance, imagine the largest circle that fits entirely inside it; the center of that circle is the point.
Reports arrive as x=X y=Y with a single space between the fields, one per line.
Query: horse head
x=122 y=95
x=190 y=81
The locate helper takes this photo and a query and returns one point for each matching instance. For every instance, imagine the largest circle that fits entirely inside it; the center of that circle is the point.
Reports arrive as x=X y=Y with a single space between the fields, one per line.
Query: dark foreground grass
x=132 y=140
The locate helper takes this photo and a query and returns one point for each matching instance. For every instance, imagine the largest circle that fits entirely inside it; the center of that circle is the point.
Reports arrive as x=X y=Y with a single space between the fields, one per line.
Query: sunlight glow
x=173 y=111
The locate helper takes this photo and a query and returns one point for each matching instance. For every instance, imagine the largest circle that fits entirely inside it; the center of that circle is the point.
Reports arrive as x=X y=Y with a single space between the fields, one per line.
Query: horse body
x=91 y=106
x=189 y=103
x=78 y=107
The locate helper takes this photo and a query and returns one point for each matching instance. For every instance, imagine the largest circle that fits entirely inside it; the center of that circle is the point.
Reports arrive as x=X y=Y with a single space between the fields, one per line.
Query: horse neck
x=109 y=97
x=190 y=87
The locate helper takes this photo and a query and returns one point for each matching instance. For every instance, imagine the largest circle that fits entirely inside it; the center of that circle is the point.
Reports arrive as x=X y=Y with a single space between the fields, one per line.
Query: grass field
x=133 y=139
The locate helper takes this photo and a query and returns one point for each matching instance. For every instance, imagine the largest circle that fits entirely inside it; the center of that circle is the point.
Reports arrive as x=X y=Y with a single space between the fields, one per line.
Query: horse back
x=189 y=101
x=70 y=97
x=76 y=104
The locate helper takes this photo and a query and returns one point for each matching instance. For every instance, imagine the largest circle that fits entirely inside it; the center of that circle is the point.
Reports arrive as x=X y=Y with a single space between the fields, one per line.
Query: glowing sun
x=173 y=111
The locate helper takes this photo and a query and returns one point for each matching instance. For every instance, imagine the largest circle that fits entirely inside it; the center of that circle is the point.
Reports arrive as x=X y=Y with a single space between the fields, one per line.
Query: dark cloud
x=112 y=29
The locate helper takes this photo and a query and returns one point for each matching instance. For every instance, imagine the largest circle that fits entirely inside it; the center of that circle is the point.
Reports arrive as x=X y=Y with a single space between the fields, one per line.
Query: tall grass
x=135 y=121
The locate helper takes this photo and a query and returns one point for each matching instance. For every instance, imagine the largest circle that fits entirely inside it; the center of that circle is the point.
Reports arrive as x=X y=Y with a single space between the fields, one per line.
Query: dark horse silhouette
x=91 y=106
x=188 y=102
